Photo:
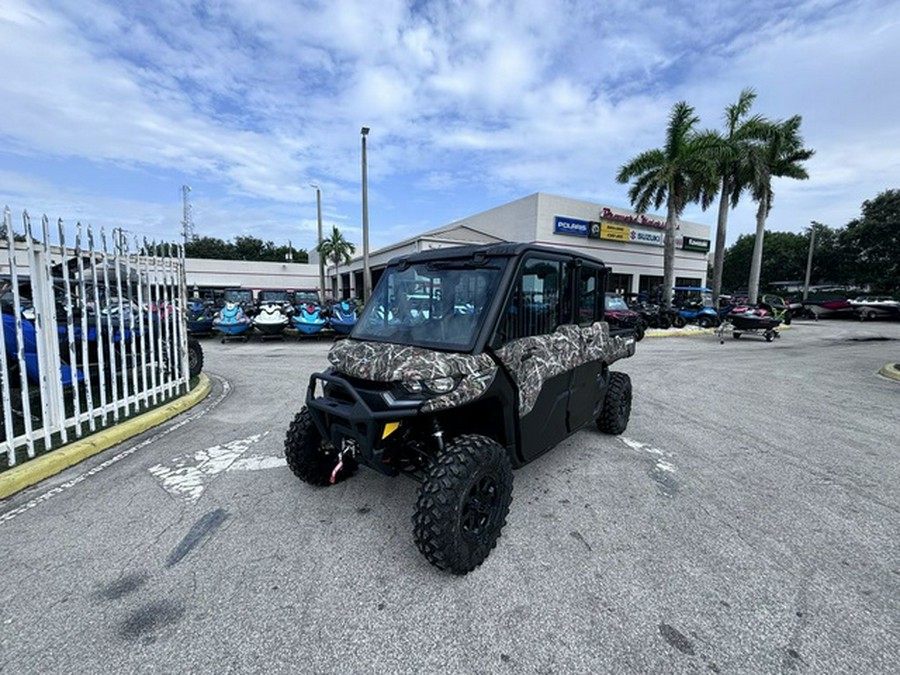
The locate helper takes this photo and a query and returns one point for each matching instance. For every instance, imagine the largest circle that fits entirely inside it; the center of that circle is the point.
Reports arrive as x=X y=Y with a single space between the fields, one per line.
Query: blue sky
x=110 y=107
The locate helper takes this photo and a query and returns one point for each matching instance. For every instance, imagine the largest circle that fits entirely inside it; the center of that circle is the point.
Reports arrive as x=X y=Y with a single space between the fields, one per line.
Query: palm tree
x=780 y=155
x=740 y=133
x=681 y=172
x=336 y=249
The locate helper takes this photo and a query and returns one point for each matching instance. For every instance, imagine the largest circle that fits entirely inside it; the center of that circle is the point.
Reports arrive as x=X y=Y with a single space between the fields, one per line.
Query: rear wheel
x=463 y=503
x=678 y=321
x=704 y=322
x=195 y=356
x=616 y=411
x=308 y=455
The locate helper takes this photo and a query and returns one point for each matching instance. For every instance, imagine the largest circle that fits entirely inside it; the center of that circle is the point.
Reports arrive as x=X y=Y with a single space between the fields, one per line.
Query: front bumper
x=348 y=422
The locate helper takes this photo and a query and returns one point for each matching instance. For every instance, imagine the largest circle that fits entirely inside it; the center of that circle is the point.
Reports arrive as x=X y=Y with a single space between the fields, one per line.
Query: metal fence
x=91 y=334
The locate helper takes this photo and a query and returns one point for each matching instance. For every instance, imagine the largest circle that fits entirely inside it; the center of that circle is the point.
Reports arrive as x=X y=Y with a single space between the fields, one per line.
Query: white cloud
x=250 y=101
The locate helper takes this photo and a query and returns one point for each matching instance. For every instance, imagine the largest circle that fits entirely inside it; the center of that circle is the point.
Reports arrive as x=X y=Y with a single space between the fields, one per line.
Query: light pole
x=319 y=247
x=809 y=258
x=367 y=280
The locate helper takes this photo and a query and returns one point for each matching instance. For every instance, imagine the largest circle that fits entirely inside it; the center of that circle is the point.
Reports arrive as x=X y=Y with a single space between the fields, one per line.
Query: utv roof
x=499 y=250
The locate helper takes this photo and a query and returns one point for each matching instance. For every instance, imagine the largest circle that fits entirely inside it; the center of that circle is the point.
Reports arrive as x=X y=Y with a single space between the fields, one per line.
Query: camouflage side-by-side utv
x=465 y=363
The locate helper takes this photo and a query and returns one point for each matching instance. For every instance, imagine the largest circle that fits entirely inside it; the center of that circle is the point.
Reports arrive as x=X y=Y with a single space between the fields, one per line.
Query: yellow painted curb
x=890 y=370
x=664 y=332
x=36 y=470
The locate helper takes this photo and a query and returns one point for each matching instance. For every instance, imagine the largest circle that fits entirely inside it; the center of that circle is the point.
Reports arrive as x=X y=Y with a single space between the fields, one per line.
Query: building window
x=688 y=281
x=620 y=283
x=649 y=283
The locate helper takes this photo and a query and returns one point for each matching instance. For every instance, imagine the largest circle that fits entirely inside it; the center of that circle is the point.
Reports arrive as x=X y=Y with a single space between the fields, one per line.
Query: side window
x=534 y=306
x=590 y=295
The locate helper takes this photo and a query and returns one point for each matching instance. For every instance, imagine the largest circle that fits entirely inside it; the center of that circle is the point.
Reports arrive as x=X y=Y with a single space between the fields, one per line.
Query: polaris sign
x=571 y=226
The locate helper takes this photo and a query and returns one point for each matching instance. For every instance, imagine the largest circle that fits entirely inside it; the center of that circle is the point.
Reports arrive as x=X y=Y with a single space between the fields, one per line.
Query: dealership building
x=631 y=245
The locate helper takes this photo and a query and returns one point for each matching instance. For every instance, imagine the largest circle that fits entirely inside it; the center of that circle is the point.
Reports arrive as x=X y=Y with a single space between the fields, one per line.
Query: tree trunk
x=669 y=254
x=719 y=258
x=338 y=296
x=756 y=261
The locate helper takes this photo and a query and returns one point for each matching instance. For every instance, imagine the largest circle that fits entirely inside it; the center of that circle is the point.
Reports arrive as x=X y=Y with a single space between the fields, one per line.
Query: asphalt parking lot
x=748 y=521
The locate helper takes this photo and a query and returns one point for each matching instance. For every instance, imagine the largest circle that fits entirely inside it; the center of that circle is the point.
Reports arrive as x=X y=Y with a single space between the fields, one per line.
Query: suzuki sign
x=642 y=237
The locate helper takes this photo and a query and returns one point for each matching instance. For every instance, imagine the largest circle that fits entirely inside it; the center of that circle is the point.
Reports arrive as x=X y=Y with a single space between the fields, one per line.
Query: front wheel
x=308 y=455
x=463 y=503
x=616 y=410
x=679 y=321
x=705 y=322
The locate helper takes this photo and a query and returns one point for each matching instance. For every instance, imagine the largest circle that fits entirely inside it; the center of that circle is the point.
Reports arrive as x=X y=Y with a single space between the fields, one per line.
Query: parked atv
x=620 y=316
x=465 y=363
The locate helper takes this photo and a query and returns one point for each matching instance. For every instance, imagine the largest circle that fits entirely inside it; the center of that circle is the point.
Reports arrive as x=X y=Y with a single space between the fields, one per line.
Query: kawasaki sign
x=695 y=244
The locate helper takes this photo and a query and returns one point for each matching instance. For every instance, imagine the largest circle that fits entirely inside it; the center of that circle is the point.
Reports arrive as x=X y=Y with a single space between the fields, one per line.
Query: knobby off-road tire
x=195 y=357
x=616 y=411
x=463 y=503
x=310 y=458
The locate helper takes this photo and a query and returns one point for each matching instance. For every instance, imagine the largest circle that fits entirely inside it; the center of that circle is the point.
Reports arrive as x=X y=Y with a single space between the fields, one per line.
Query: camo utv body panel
x=535 y=359
x=386 y=362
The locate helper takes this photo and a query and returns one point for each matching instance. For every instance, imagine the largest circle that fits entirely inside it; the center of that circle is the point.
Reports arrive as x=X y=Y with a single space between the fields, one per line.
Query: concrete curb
x=890 y=370
x=40 y=468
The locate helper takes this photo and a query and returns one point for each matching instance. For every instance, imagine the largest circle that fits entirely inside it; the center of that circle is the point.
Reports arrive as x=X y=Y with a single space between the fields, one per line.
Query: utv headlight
x=441 y=385
x=438 y=385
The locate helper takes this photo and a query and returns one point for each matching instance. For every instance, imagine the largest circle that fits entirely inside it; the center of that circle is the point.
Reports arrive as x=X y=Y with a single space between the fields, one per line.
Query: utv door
x=588 y=383
x=534 y=354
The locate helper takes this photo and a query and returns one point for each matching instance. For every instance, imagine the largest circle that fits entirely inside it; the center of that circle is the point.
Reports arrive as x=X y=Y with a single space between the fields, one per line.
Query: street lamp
x=367 y=280
x=319 y=248
x=809 y=258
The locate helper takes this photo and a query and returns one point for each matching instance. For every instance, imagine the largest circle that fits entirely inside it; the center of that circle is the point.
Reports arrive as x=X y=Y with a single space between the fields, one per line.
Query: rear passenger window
x=534 y=305
x=590 y=293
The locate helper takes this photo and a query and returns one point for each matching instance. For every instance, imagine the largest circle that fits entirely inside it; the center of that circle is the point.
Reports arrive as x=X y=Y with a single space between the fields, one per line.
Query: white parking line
x=187 y=476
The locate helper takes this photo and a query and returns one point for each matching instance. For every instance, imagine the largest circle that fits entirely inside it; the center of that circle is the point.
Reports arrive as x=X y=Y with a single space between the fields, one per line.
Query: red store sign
x=608 y=214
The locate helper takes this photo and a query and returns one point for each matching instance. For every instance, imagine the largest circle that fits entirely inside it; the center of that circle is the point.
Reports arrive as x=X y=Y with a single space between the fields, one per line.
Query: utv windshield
x=238 y=295
x=273 y=296
x=692 y=297
x=438 y=305
x=616 y=303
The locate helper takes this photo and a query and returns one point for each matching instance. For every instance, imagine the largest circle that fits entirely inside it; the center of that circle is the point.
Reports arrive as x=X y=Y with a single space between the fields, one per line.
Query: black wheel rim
x=479 y=508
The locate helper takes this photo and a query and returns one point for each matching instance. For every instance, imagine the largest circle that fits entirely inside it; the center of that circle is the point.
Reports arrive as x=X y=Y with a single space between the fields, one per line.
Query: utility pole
x=319 y=246
x=187 y=222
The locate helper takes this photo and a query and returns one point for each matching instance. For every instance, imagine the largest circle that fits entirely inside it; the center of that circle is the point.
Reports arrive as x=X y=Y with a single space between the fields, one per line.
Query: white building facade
x=631 y=245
